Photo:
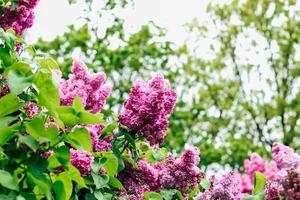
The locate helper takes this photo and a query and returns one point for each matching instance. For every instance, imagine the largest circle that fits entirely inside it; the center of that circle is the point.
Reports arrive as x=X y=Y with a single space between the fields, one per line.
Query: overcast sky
x=53 y=16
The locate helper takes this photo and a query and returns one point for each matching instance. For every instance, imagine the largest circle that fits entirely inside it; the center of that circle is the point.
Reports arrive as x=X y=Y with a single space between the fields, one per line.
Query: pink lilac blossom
x=29 y=4
x=227 y=187
x=20 y=18
x=47 y=154
x=272 y=191
x=31 y=110
x=256 y=164
x=285 y=157
x=290 y=185
x=288 y=176
x=134 y=185
x=180 y=174
x=4 y=88
x=88 y=87
x=99 y=144
x=82 y=160
x=52 y=123
x=147 y=107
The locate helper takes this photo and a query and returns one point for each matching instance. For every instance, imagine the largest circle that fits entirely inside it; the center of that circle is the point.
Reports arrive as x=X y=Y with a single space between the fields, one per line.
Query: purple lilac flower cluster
x=82 y=160
x=88 y=87
x=147 y=107
x=287 y=178
x=31 y=110
x=226 y=187
x=179 y=174
x=20 y=18
x=99 y=144
x=256 y=164
x=4 y=89
x=282 y=173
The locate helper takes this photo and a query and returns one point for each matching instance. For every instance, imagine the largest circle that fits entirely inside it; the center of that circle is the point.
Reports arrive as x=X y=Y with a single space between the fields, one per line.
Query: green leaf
x=36 y=129
x=259 y=196
x=21 y=67
x=98 y=195
x=31 y=50
x=63 y=155
x=29 y=141
x=8 y=104
x=68 y=115
x=6 y=133
x=52 y=134
x=4 y=121
x=77 y=104
x=7 y=180
x=86 y=117
x=170 y=194
x=80 y=138
x=111 y=163
x=36 y=176
x=63 y=186
x=114 y=182
x=205 y=184
x=152 y=196
x=259 y=183
x=49 y=64
x=100 y=180
x=109 y=129
x=48 y=95
x=18 y=81
x=75 y=175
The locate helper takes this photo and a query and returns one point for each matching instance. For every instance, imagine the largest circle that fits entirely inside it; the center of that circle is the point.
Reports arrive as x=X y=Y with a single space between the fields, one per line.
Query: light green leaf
x=86 y=117
x=259 y=183
x=7 y=180
x=63 y=186
x=100 y=180
x=49 y=64
x=114 y=182
x=36 y=129
x=4 y=121
x=111 y=163
x=18 y=81
x=205 y=184
x=6 y=133
x=80 y=138
x=68 y=115
x=9 y=104
x=152 y=196
x=48 y=95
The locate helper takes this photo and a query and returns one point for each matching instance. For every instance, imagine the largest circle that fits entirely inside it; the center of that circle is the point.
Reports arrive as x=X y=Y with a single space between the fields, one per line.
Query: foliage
x=55 y=143
x=242 y=73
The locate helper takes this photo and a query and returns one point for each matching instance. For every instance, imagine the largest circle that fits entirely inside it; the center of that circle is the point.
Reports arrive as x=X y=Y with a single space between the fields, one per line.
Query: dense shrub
x=57 y=142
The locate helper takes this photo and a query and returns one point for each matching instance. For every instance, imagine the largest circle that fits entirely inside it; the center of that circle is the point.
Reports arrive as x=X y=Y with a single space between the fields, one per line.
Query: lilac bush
x=58 y=142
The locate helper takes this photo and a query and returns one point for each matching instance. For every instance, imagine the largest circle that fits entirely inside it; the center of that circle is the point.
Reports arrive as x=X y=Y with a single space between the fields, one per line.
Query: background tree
x=245 y=84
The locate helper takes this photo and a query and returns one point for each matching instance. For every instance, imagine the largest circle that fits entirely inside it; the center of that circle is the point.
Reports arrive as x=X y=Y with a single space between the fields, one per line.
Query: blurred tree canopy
x=245 y=80
x=237 y=94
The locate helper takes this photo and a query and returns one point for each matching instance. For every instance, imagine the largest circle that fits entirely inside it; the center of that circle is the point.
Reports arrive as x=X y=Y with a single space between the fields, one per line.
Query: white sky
x=53 y=17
